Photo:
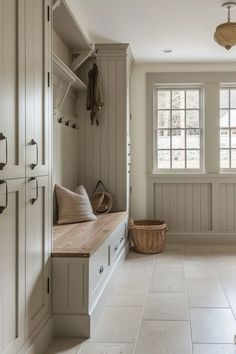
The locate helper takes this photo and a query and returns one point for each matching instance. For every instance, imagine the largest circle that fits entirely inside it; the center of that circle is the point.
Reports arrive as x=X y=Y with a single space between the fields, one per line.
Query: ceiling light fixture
x=225 y=34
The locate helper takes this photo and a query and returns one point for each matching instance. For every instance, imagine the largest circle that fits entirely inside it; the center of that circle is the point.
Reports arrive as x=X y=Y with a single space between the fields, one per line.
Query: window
x=177 y=128
x=227 y=128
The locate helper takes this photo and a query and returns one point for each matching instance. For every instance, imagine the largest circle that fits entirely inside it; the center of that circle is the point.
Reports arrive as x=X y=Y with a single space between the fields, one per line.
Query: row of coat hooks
x=67 y=122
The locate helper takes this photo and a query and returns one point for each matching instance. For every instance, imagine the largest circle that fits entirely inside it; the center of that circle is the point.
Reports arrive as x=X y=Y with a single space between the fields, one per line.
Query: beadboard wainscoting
x=194 y=205
x=104 y=149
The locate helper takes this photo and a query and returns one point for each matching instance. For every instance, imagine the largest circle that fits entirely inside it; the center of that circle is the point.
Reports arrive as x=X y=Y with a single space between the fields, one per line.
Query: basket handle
x=102 y=184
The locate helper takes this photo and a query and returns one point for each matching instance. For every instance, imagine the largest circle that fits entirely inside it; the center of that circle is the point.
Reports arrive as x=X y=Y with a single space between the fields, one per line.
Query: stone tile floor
x=182 y=301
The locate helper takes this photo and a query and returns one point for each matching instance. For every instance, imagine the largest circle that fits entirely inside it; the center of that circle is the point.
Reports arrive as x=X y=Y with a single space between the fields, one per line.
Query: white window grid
x=172 y=88
x=229 y=128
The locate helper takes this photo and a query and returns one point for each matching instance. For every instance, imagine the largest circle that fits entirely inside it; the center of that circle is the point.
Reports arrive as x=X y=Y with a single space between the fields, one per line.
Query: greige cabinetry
x=25 y=212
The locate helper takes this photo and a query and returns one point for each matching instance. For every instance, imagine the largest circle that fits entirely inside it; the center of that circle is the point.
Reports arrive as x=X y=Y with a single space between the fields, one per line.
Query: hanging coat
x=94 y=101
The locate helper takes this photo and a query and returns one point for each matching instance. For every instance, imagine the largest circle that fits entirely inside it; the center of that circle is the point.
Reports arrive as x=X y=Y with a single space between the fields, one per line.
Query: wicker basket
x=148 y=236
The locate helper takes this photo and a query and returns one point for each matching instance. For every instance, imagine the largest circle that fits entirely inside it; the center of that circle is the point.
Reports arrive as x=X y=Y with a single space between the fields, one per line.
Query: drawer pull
x=33 y=200
x=3 y=164
x=3 y=207
x=101 y=270
x=116 y=248
x=33 y=165
x=122 y=239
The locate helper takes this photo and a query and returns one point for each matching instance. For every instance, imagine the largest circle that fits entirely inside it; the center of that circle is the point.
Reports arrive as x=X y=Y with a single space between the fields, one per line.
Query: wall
x=138 y=123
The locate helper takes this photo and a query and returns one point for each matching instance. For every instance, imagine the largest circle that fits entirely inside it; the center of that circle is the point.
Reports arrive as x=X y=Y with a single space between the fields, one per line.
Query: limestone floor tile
x=168 y=279
x=212 y=325
x=228 y=279
x=161 y=337
x=125 y=299
x=107 y=348
x=194 y=270
x=231 y=295
x=206 y=292
x=214 y=349
x=166 y=306
x=64 y=346
x=118 y=325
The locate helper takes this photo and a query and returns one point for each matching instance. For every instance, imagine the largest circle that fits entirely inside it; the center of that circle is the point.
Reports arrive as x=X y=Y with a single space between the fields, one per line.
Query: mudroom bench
x=83 y=259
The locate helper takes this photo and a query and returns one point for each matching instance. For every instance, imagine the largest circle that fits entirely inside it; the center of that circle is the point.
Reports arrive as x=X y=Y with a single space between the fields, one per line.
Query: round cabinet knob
x=101 y=269
x=116 y=248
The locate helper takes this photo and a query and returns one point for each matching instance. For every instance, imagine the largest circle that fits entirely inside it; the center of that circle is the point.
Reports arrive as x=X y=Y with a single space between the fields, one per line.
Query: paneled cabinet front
x=38 y=87
x=12 y=265
x=38 y=248
x=12 y=89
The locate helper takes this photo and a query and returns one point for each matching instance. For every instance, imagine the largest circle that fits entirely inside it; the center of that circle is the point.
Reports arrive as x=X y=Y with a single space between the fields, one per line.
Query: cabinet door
x=38 y=86
x=12 y=89
x=38 y=249
x=12 y=265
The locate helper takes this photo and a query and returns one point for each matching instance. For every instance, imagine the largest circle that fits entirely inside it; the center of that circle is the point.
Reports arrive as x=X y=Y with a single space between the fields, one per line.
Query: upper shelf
x=68 y=29
x=61 y=70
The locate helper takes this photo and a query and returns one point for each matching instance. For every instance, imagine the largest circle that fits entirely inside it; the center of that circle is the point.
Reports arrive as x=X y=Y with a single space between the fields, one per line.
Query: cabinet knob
x=101 y=269
x=122 y=238
x=116 y=248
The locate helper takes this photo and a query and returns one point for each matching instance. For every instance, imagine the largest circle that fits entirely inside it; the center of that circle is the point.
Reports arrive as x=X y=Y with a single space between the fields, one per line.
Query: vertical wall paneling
x=103 y=148
x=186 y=207
x=227 y=206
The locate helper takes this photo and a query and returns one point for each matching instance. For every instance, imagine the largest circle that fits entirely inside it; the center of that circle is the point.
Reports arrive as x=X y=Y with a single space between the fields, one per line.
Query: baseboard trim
x=39 y=339
x=202 y=238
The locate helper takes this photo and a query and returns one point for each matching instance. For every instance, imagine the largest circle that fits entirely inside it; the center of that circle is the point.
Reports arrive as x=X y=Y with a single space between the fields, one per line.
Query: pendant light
x=225 y=34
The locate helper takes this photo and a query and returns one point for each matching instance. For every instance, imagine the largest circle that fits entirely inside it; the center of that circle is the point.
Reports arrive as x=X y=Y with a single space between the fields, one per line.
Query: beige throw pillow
x=73 y=207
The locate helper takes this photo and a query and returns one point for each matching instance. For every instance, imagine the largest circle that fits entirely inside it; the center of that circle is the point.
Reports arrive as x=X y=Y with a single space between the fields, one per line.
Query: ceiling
x=150 y=26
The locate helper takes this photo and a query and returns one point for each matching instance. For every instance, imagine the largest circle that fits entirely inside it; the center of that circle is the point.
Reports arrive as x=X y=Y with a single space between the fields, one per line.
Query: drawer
x=117 y=240
x=98 y=269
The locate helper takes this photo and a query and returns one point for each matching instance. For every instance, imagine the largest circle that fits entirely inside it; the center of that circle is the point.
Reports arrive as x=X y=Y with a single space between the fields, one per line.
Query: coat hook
x=59 y=120
x=67 y=123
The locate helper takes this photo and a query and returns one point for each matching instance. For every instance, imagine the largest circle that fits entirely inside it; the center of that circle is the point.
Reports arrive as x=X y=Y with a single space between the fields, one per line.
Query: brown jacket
x=94 y=95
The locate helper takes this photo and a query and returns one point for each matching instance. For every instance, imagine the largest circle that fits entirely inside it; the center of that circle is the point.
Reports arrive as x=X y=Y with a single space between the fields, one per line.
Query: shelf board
x=68 y=29
x=61 y=70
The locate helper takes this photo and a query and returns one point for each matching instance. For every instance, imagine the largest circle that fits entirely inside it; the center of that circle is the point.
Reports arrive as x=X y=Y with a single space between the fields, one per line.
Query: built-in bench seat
x=83 y=258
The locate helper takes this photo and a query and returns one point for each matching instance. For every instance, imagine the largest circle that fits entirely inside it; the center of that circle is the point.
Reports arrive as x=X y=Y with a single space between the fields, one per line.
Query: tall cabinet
x=25 y=159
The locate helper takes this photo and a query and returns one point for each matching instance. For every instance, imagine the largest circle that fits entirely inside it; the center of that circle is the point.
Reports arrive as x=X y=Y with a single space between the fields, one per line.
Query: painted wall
x=138 y=123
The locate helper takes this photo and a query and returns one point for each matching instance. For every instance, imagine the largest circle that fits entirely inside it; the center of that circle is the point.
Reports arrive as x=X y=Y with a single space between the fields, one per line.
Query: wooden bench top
x=82 y=239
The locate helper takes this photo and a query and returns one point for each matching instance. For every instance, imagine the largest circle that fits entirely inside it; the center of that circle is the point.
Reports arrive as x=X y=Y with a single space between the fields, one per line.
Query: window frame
x=226 y=170
x=185 y=87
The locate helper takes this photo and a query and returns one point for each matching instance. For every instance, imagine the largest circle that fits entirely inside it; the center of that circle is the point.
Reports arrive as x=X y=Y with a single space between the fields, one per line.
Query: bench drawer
x=117 y=241
x=98 y=269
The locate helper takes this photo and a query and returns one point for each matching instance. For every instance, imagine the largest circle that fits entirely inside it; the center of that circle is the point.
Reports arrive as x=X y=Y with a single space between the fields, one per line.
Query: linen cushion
x=73 y=207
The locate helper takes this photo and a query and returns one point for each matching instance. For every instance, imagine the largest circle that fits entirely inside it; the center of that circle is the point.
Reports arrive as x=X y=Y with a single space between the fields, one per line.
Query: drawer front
x=117 y=241
x=98 y=269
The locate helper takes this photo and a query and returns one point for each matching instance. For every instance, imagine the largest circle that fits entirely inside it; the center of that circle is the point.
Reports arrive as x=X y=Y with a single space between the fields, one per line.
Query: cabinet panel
x=12 y=91
x=38 y=248
x=38 y=95
x=12 y=265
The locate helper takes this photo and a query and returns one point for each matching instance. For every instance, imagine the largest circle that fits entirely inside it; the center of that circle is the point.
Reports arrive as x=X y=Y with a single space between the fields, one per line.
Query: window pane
x=233 y=138
x=177 y=99
x=224 y=118
x=163 y=99
x=232 y=98
x=178 y=159
x=163 y=159
x=233 y=158
x=192 y=99
x=163 y=139
x=224 y=158
x=178 y=119
x=224 y=138
x=163 y=119
x=178 y=139
x=193 y=159
x=193 y=138
x=224 y=98
x=192 y=119
x=233 y=118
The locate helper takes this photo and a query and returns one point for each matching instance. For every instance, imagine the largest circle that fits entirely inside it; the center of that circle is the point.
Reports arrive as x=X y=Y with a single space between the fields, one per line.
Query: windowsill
x=199 y=174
